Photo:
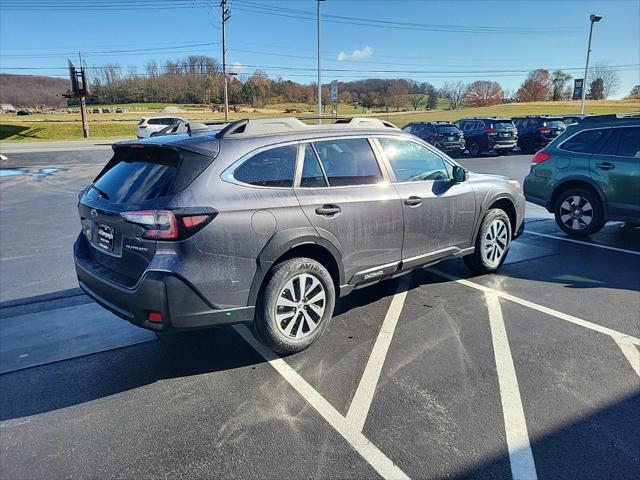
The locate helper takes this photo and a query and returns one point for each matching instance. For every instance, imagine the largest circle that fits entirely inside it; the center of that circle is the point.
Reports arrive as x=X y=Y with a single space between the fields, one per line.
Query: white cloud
x=237 y=67
x=365 y=52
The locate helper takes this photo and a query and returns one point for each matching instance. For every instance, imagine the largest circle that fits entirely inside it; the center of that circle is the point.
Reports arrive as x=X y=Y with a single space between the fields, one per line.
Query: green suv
x=589 y=174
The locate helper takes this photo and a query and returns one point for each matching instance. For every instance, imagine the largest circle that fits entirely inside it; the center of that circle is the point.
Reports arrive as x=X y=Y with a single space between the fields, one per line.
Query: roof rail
x=267 y=126
x=610 y=118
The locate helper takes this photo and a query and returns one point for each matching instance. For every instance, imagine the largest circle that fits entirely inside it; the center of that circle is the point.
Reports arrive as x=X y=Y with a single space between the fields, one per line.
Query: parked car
x=24 y=112
x=444 y=136
x=488 y=133
x=146 y=126
x=590 y=174
x=268 y=221
x=571 y=119
x=95 y=110
x=537 y=131
x=119 y=110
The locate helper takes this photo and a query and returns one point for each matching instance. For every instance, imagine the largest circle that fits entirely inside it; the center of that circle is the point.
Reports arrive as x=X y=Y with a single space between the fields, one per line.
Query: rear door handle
x=328 y=210
x=605 y=166
x=413 y=201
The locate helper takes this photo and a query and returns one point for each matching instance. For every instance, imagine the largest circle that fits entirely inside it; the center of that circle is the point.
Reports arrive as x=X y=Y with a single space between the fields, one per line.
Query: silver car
x=269 y=221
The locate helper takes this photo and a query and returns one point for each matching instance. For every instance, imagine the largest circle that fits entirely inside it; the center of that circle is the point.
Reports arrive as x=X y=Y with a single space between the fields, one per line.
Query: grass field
x=66 y=126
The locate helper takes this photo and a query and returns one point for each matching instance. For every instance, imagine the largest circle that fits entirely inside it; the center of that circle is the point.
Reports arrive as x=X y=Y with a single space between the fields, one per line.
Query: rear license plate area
x=105 y=237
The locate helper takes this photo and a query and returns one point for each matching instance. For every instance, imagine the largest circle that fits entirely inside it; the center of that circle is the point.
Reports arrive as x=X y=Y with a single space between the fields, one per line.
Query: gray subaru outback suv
x=269 y=221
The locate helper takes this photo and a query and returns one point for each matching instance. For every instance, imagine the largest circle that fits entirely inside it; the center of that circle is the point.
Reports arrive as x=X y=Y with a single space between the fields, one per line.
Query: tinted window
x=271 y=168
x=446 y=129
x=136 y=175
x=629 y=145
x=503 y=126
x=412 y=162
x=312 y=175
x=611 y=145
x=588 y=141
x=555 y=124
x=155 y=121
x=349 y=162
x=140 y=122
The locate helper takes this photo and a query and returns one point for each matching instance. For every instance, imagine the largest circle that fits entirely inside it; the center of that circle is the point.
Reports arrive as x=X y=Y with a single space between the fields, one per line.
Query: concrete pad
x=45 y=337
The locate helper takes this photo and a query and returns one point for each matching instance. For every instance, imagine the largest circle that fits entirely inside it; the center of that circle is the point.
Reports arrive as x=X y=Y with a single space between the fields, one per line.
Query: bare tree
x=454 y=92
x=609 y=76
x=416 y=100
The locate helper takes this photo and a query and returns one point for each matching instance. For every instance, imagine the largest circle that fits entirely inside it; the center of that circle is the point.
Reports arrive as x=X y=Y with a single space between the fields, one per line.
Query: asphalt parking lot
x=530 y=373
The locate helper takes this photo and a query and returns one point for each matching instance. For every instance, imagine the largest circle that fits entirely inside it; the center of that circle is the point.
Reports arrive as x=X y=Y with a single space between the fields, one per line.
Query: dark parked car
x=590 y=174
x=488 y=133
x=268 y=221
x=571 y=119
x=23 y=112
x=537 y=131
x=444 y=136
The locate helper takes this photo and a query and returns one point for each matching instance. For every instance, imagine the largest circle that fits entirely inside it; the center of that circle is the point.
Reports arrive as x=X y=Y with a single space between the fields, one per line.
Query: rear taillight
x=142 y=126
x=170 y=225
x=490 y=131
x=541 y=157
x=544 y=129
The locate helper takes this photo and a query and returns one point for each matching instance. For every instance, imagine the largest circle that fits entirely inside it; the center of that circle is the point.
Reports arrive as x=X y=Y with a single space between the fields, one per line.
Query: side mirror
x=459 y=174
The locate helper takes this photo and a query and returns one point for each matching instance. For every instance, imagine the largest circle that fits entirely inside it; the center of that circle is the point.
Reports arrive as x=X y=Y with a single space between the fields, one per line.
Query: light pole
x=319 y=77
x=594 y=18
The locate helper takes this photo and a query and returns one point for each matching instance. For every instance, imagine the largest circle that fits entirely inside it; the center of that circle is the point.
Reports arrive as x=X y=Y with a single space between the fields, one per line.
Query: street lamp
x=594 y=18
x=319 y=79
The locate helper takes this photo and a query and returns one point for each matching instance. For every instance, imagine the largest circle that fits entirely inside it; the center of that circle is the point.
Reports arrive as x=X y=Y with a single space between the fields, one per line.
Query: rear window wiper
x=102 y=193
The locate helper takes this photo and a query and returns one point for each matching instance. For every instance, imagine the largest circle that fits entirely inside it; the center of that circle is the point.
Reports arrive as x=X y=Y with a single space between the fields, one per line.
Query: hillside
x=31 y=90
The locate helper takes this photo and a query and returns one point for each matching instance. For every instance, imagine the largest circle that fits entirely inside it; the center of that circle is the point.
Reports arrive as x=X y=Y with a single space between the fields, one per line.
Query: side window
x=610 y=147
x=312 y=175
x=412 y=162
x=348 y=162
x=588 y=141
x=629 y=145
x=155 y=121
x=271 y=168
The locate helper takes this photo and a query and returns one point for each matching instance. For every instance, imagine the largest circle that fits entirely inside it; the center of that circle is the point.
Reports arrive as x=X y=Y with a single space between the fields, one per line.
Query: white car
x=146 y=126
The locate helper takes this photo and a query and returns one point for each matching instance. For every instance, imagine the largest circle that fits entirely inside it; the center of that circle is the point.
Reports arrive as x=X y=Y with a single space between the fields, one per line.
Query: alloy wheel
x=494 y=243
x=300 y=306
x=576 y=212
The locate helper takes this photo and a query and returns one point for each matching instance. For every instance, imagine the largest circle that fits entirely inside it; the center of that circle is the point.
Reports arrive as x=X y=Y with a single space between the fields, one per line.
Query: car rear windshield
x=503 y=125
x=136 y=175
x=446 y=129
x=555 y=124
x=141 y=121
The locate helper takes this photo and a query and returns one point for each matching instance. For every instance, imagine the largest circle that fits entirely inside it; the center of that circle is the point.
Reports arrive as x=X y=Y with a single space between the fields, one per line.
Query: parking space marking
x=361 y=403
x=629 y=350
x=361 y=444
x=564 y=239
x=520 y=455
x=540 y=308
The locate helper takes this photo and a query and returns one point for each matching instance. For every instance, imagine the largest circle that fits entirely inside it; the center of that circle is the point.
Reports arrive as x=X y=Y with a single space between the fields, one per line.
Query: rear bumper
x=179 y=303
x=509 y=145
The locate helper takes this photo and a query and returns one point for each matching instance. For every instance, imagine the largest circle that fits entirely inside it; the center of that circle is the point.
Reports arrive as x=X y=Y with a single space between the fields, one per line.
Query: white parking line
x=597 y=245
x=361 y=444
x=520 y=455
x=630 y=351
x=361 y=403
x=540 y=308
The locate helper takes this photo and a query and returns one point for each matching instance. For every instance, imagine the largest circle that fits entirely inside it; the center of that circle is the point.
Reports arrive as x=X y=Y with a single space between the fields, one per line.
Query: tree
x=416 y=100
x=432 y=103
x=368 y=102
x=536 y=88
x=610 y=78
x=559 y=81
x=596 y=90
x=483 y=93
x=635 y=92
x=454 y=92
x=397 y=95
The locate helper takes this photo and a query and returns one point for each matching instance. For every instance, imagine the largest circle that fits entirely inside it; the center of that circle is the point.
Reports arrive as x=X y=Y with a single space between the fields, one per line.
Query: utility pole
x=319 y=76
x=83 y=99
x=225 y=16
x=594 y=18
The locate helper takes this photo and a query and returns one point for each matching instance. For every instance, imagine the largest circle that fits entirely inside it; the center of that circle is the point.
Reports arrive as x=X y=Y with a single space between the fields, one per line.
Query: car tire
x=579 y=212
x=492 y=243
x=474 y=149
x=288 y=319
x=527 y=146
x=503 y=151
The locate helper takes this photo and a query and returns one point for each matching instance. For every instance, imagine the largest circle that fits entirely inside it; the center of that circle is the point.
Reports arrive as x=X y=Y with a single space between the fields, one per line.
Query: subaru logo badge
x=94 y=213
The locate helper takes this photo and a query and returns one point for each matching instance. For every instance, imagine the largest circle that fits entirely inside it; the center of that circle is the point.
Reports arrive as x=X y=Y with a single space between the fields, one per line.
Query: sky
x=425 y=40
